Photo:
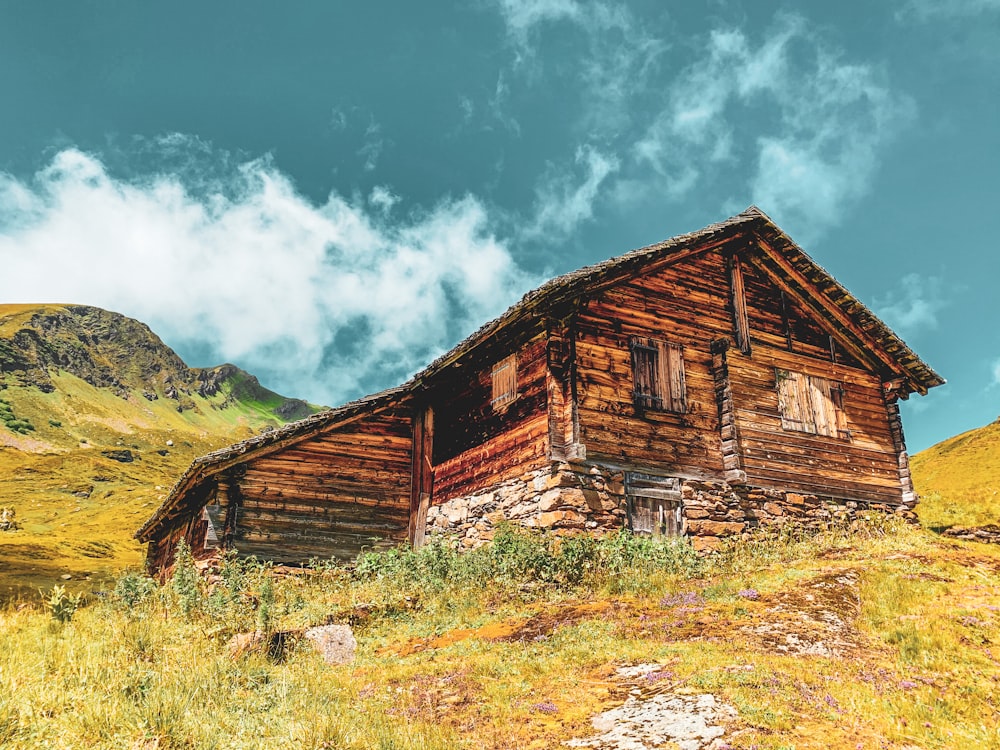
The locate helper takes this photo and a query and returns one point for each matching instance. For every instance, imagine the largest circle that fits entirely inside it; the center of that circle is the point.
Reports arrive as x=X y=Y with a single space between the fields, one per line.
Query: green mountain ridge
x=98 y=418
x=108 y=350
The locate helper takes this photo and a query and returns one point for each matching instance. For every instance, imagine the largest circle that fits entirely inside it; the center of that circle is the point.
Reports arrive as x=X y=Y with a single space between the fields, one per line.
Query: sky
x=330 y=194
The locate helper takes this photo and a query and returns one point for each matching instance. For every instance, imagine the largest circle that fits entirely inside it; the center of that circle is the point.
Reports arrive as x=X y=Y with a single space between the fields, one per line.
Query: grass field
x=881 y=637
x=76 y=505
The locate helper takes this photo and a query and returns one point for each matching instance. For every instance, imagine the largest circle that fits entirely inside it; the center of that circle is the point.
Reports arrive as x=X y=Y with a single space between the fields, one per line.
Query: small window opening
x=811 y=404
x=658 y=376
x=504 y=382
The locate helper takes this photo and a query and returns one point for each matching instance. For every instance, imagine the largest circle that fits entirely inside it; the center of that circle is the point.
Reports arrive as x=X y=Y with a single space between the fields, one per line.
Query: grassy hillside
x=98 y=418
x=878 y=637
x=959 y=479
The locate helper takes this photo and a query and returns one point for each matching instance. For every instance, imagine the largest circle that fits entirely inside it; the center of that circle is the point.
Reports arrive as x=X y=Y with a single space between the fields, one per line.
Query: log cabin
x=702 y=386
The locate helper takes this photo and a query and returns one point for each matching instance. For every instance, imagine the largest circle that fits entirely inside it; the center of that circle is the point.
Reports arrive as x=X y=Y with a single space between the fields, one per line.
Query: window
x=658 y=376
x=811 y=404
x=504 y=382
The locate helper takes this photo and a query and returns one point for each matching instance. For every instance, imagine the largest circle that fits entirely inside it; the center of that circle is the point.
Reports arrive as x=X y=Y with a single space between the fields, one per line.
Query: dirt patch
x=538 y=627
x=816 y=618
x=542 y=625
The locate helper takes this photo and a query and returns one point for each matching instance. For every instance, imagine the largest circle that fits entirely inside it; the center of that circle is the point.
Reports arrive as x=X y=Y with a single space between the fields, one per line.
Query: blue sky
x=330 y=194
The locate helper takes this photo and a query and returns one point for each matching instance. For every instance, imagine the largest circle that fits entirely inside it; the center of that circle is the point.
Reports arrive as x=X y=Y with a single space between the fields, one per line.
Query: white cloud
x=928 y=10
x=322 y=301
x=913 y=307
x=522 y=17
x=807 y=123
x=995 y=370
x=563 y=203
x=373 y=146
x=616 y=52
x=382 y=199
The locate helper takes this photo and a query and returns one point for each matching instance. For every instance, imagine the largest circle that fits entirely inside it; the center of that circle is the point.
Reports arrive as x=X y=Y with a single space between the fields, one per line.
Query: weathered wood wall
x=476 y=446
x=684 y=304
x=691 y=303
x=863 y=466
x=331 y=495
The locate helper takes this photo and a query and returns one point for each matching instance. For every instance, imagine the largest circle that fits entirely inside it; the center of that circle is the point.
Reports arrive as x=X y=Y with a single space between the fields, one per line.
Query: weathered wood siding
x=686 y=304
x=476 y=446
x=785 y=336
x=862 y=466
x=777 y=320
x=331 y=495
x=692 y=304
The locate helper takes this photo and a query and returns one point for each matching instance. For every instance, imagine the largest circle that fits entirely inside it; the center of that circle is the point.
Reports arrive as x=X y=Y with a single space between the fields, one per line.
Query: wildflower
x=748 y=594
x=546 y=707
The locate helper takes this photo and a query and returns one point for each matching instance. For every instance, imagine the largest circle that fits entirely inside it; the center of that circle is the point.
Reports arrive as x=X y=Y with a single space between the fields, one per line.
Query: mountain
x=959 y=479
x=98 y=418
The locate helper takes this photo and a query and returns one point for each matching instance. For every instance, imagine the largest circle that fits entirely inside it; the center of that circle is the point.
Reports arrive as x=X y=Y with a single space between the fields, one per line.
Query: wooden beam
x=421 y=475
x=859 y=344
x=738 y=297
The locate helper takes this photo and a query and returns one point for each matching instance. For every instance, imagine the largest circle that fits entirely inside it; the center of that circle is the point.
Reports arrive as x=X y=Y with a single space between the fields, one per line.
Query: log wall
x=329 y=496
x=687 y=304
x=476 y=446
x=863 y=466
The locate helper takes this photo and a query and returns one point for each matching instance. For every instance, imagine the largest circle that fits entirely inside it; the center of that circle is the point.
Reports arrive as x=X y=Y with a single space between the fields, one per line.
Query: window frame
x=658 y=382
x=811 y=404
x=503 y=377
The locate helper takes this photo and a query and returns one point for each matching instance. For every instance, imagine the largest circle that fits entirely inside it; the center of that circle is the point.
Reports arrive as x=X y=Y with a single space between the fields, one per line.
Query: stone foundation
x=571 y=498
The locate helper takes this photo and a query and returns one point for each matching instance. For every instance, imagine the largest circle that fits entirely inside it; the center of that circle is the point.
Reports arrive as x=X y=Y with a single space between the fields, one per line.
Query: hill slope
x=959 y=479
x=98 y=417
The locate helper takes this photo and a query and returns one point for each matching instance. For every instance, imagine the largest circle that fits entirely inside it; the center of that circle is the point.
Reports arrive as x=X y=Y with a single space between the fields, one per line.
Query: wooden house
x=705 y=385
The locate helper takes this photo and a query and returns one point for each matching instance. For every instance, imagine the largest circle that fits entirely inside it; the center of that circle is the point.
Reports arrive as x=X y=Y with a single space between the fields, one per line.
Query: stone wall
x=570 y=498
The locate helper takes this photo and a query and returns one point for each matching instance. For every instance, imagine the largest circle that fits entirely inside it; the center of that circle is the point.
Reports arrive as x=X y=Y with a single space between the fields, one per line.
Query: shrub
x=185 y=581
x=61 y=606
x=132 y=589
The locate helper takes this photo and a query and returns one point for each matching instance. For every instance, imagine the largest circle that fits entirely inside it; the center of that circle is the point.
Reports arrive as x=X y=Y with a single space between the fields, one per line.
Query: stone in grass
x=335 y=643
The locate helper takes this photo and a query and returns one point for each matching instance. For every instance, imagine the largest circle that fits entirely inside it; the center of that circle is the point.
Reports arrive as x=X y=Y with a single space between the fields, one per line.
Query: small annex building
x=702 y=386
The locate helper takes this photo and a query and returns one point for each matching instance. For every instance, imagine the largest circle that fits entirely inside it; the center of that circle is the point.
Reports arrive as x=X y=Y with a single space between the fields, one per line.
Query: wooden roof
x=785 y=259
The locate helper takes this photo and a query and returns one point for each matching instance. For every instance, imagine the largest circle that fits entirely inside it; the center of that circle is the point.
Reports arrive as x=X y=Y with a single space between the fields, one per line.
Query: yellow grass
x=911 y=662
x=959 y=479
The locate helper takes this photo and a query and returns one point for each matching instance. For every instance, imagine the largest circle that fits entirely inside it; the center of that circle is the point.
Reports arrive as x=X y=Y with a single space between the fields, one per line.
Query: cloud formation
x=321 y=301
x=928 y=10
x=912 y=308
x=564 y=201
x=823 y=121
x=783 y=120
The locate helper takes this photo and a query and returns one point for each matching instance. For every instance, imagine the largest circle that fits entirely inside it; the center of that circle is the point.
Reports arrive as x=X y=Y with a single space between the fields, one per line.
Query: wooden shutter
x=811 y=404
x=654 y=504
x=673 y=390
x=645 y=374
x=504 y=381
x=658 y=375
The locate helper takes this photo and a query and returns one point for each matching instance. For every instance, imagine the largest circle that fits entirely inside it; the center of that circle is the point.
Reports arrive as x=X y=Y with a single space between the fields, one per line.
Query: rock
x=123 y=456
x=243 y=643
x=705 y=543
x=566 y=519
x=715 y=528
x=550 y=500
x=335 y=643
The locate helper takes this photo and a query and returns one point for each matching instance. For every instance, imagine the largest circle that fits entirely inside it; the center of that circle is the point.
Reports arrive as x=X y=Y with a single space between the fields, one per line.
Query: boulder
x=335 y=643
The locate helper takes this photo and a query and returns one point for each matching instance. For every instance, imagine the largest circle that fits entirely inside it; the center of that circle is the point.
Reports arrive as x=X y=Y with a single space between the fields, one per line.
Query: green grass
x=77 y=507
x=959 y=479
x=440 y=663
